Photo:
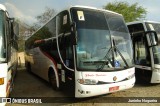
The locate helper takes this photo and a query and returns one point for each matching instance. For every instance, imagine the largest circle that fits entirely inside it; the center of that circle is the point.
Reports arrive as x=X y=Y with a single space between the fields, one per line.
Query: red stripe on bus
x=47 y=55
x=54 y=62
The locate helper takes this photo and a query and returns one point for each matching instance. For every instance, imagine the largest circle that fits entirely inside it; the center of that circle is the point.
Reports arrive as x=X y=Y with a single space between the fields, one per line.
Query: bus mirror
x=73 y=34
x=14 y=29
x=153 y=38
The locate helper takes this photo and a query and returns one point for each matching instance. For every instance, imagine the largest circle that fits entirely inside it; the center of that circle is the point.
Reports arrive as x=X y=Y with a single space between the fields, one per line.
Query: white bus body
x=8 y=52
x=77 y=48
x=147 y=58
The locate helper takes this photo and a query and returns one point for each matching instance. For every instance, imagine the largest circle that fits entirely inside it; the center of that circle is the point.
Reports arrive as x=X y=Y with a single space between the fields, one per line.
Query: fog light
x=1 y=81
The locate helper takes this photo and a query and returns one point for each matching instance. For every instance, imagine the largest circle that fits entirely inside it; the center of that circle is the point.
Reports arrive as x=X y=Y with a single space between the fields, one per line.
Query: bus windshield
x=2 y=38
x=103 y=41
x=156 y=49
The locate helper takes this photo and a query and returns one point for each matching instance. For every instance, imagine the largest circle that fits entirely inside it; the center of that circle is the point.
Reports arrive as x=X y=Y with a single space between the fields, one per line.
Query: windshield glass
x=103 y=40
x=156 y=49
x=121 y=37
x=2 y=39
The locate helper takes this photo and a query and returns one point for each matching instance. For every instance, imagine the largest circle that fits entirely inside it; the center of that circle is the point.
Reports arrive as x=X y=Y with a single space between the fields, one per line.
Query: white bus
x=146 y=54
x=86 y=48
x=8 y=52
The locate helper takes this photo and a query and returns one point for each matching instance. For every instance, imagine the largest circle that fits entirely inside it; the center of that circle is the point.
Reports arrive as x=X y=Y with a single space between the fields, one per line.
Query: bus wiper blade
x=100 y=67
x=117 y=50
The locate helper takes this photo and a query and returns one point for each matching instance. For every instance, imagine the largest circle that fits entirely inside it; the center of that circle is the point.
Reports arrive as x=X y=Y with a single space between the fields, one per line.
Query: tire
x=52 y=80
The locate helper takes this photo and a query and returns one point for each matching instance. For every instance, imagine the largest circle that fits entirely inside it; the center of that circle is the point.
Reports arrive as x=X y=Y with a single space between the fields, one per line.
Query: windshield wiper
x=100 y=67
x=113 y=48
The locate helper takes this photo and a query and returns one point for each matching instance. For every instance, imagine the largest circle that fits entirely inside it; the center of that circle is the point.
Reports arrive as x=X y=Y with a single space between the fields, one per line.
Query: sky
x=27 y=10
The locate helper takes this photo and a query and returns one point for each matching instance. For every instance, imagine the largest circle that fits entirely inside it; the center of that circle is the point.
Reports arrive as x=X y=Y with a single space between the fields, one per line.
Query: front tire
x=52 y=80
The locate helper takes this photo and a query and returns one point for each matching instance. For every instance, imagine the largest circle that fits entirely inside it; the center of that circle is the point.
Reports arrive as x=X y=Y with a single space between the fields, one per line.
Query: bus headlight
x=88 y=81
x=131 y=76
x=1 y=81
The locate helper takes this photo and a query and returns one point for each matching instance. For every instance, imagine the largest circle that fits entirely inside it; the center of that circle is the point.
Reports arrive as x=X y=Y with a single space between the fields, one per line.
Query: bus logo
x=114 y=78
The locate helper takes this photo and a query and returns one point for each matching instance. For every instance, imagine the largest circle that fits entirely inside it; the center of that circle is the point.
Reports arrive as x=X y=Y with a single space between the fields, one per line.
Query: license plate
x=115 y=88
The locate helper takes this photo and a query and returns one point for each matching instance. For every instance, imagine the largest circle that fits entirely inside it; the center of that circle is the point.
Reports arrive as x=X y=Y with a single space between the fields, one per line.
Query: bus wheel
x=52 y=80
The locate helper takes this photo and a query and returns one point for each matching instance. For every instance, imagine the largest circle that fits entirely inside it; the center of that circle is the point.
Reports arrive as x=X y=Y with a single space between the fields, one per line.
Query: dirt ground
x=29 y=85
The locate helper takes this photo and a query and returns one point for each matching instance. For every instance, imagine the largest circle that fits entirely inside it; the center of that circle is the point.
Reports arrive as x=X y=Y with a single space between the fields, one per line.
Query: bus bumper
x=155 y=77
x=94 y=90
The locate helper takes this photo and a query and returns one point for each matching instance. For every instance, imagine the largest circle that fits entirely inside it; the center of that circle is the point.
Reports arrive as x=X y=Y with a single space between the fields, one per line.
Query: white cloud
x=15 y=12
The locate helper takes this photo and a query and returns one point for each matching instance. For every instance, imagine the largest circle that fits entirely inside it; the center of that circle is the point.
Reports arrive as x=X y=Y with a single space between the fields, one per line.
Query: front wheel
x=52 y=80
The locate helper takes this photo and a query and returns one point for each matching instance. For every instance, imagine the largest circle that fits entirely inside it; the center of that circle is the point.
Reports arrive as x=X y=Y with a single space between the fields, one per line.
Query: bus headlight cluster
x=88 y=81
x=131 y=76
x=1 y=81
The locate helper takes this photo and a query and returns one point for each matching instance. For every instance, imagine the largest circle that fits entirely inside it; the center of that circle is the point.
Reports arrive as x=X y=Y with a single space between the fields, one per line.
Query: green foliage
x=130 y=12
x=23 y=28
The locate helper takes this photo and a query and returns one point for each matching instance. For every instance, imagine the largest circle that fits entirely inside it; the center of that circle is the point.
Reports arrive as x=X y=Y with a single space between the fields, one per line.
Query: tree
x=23 y=29
x=46 y=15
x=130 y=12
x=43 y=18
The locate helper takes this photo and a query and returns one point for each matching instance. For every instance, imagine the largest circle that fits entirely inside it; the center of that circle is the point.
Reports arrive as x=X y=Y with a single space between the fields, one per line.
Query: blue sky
x=27 y=10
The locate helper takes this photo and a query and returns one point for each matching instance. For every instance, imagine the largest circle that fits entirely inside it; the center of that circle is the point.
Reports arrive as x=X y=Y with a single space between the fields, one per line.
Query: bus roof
x=2 y=7
x=143 y=21
x=88 y=7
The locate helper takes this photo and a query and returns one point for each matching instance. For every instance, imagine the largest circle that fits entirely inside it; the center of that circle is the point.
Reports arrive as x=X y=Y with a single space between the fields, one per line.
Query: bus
x=8 y=51
x=85 y=48
x=146 y=55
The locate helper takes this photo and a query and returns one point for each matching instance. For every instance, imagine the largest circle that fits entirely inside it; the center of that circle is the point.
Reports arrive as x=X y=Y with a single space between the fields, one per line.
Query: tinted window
x=135 y=28
x=89 y=19
x=47 y=31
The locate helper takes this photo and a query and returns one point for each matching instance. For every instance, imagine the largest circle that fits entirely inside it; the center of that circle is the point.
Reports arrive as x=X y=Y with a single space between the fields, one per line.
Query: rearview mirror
x=14 y=28
x=153 y=38
x=73 y=34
